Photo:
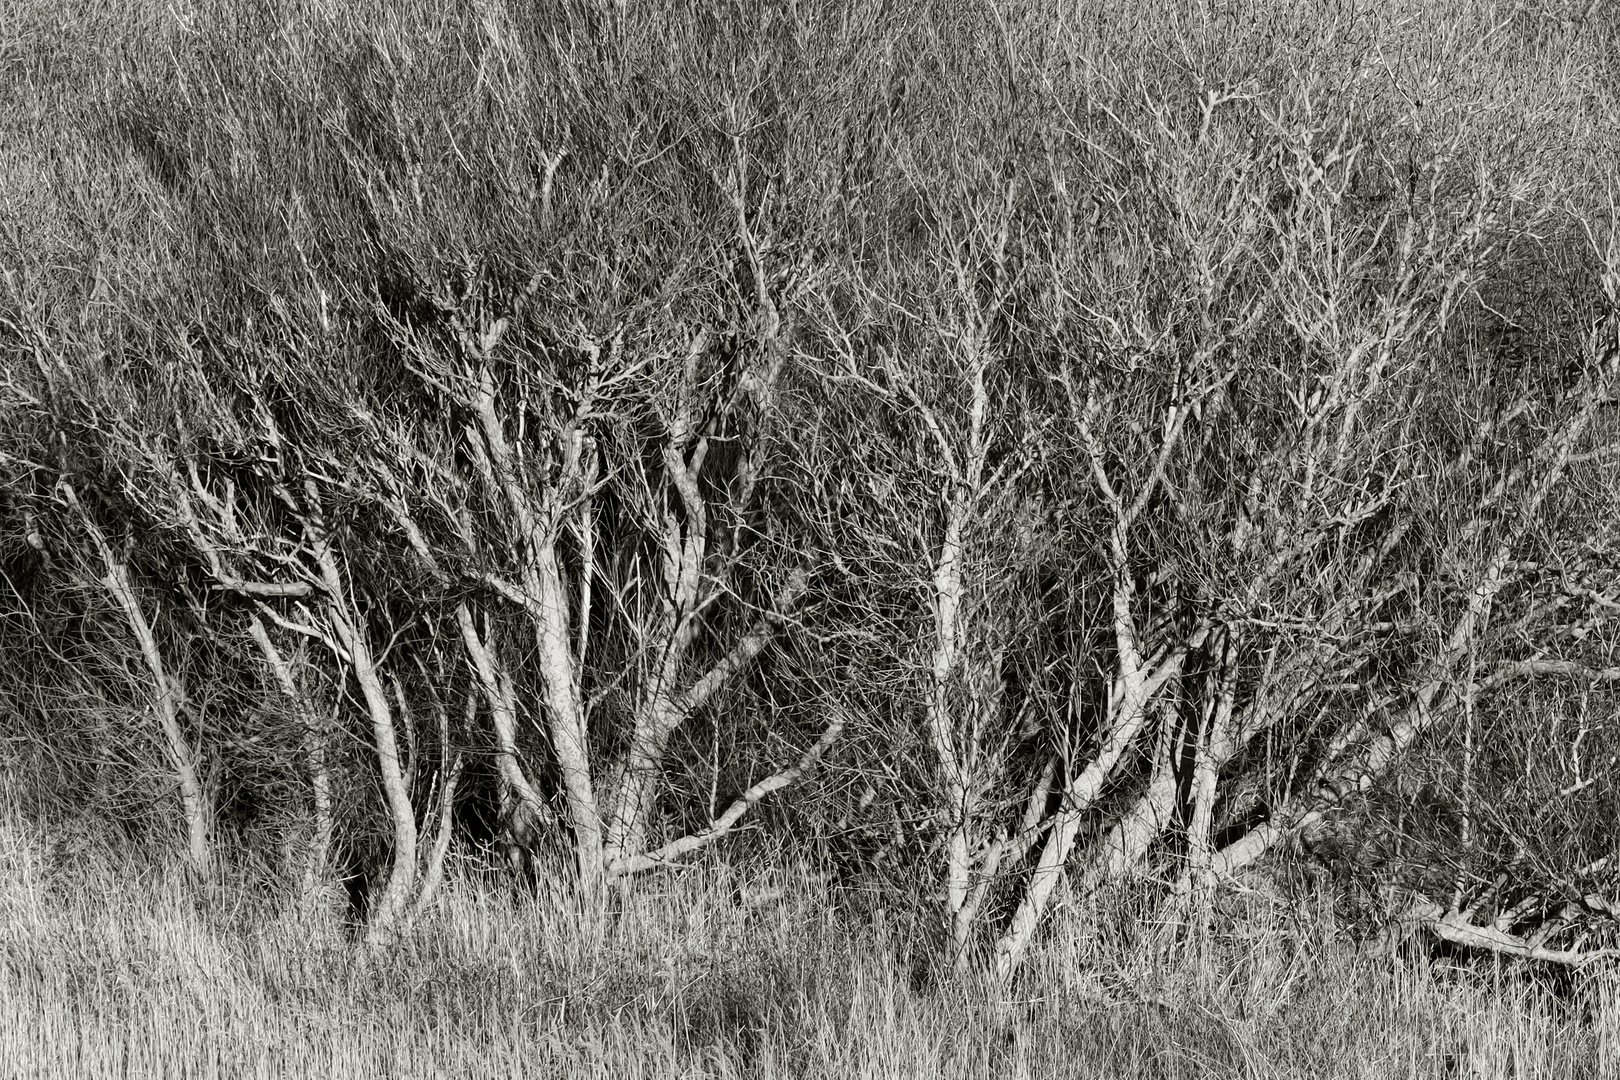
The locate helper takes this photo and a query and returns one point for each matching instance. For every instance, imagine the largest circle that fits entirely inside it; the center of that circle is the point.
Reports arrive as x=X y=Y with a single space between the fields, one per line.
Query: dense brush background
x=251 y=247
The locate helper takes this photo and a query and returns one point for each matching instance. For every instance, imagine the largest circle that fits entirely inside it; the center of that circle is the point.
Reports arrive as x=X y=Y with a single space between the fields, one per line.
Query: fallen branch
x=1454 y=927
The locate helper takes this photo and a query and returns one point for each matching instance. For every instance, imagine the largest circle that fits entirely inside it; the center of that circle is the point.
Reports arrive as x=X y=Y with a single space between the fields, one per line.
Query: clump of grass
x=115 y=967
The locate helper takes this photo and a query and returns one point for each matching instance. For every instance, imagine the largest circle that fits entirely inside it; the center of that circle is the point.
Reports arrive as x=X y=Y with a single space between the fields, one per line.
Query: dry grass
x=114 y=968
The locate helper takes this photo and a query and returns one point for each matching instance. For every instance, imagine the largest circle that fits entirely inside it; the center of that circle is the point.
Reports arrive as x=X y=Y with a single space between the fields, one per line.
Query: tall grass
x=113 y=965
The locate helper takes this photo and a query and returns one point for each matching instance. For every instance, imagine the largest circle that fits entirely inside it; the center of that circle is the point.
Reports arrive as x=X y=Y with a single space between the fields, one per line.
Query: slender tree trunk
x=1213 y=721
x=498 y=693
x=449 y=777
x=1128 y=840
x=564 y=708
x=169 y=694
x=320 y=779
x=947 y=581
x=349 y=628
x=635 y=778
x=1132 y=692
x=635 y=783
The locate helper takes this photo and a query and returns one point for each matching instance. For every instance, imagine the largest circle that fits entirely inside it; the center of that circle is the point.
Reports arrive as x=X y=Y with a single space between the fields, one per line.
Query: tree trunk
x=320 y=848
x=348 y=626
x=958 y=870
x=635 y=780
x=169 y=695
x=544 y=597
x=497 y=689
x=565 y=711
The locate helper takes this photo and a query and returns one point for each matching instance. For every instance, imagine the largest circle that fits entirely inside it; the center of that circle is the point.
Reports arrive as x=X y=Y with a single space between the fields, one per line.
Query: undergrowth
x=112 y=964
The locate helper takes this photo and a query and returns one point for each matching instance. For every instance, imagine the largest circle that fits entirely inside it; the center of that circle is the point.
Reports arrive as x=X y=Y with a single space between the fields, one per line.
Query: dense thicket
x=997 y=447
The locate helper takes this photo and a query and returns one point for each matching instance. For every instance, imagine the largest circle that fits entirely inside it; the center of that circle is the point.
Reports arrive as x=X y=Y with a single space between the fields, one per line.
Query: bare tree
x=603 y=488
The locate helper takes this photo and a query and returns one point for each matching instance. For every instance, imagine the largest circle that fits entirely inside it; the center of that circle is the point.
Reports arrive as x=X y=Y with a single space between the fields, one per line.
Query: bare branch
x=267 y=590
x=752 y=643
x=677 y=849
x=1455 y=928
